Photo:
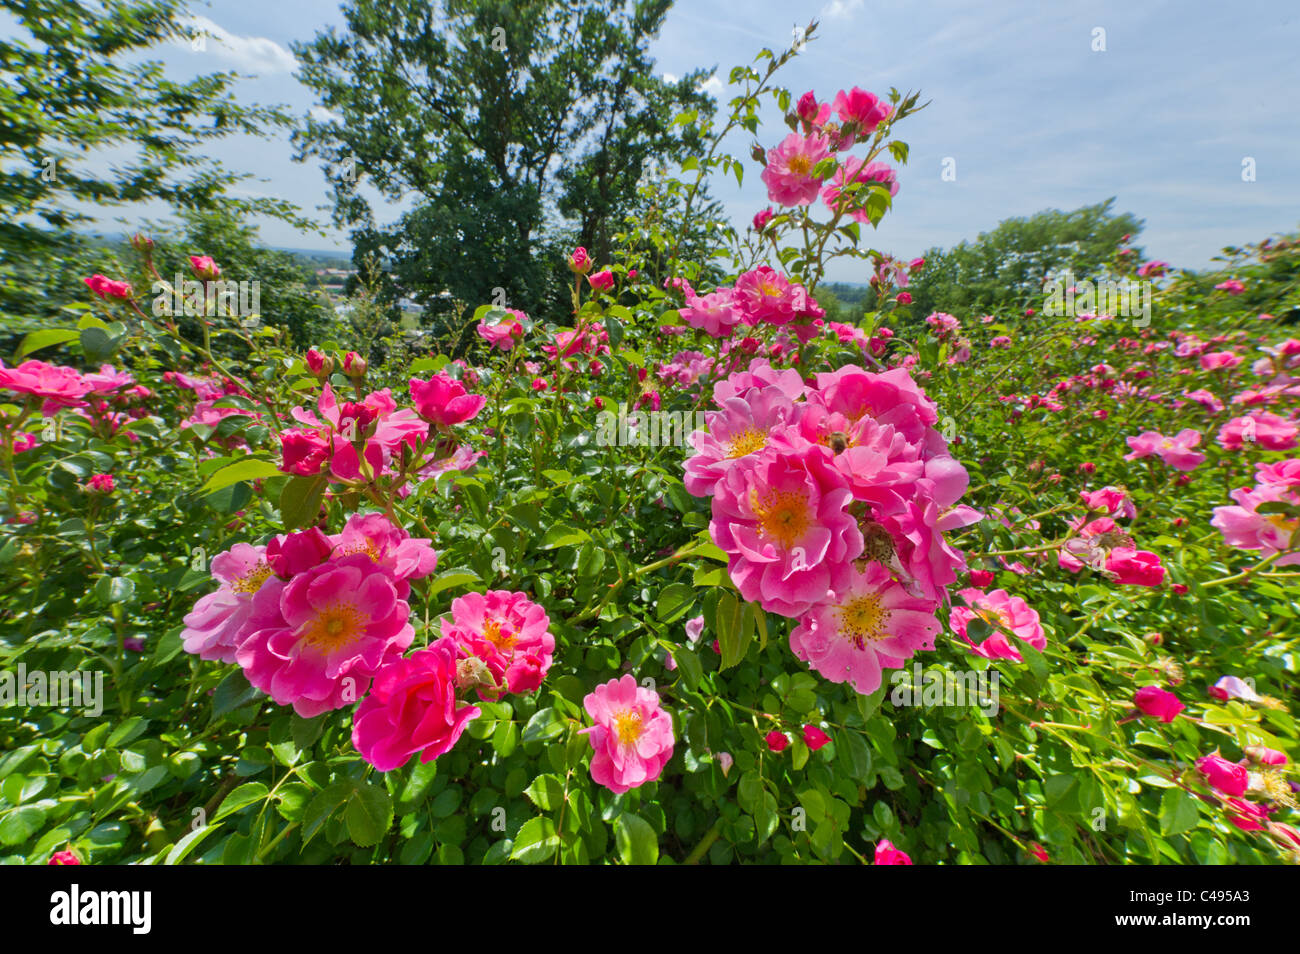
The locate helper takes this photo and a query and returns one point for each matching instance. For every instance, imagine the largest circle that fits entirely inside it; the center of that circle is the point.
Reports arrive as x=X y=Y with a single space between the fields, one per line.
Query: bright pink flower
x=981 y=578
x=904 y=298
x=1228 y=777
x=443 y=400
x=861 y=108
x=65 y=857
x=782 y=519
x=789 y=172
x=761 y=219
x=694 y=628
x=1231 y=286
x=716 y=314
x=1161 y=703
x=853 y=171
x=777 y=740
x=1136 y=567
x=221 y=620
x=742 y=428
x=1175 y=451
x=412 y=707
x=389 y=547
x=205 y=269
x=916 y=264
x=303 y=451
x=814 y=737
x=1266 y=756
x=1206 y=399
x=1109 y=500
x=1005 y=614
x=506 y=332
x=1245 y=528
x=59 y=386
x=340 y=621
x=765 y=295
x=887 y=854
x=101 y=484
x=580 y=261
x=1039 y=852
x=1152 y=269
x=1261 y=429
x=1248 y=816
x=107 y=288
x=601 y=281
x=867 y=624
x=632 y=739
x=509 y=633
x=1215 y=360
x=316 y=361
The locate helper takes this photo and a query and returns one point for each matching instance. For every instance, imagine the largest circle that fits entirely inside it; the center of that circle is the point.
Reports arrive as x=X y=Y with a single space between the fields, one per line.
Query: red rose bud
x=981 y=577
x=601 y=281
x=319 y=364
x=107 y=288
x=141 y=243
x=1179 y=589
x=354 y=366
x=758 y=153
x=1161 y=703
x=579 y=261
x=777 y=741
x=904 y=298
x=205 y=269
x=814 y=737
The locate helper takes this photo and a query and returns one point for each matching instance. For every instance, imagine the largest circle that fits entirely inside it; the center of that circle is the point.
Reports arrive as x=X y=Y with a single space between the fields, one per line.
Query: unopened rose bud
x=141 y=243
x=354 y=366
x=471 y=673
x=759 y=154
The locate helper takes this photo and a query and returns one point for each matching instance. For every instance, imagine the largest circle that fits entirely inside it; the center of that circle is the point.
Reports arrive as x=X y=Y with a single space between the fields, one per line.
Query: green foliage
x=1006 y=268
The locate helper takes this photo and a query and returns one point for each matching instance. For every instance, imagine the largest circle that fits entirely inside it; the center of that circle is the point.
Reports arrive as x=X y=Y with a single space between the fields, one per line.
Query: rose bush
x=701 y=576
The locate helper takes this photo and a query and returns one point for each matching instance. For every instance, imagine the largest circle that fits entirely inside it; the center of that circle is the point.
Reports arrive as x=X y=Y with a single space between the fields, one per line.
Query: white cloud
x=252 y=53
x=840 y=8
x=713 y=86
x=323 y=115
x=670 y=78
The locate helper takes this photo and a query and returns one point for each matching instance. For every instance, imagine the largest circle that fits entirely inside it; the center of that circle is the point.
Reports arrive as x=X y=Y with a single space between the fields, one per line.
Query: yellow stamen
x=627 y=724
x=334 y=628
x=493 y=633
x=783 y=515
x=252 y=581
x=864 y=620
x=800 y=165
x=746 y=443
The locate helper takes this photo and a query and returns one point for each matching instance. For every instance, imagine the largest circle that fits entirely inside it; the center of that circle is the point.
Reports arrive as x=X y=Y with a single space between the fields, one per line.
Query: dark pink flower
x=1161 y=703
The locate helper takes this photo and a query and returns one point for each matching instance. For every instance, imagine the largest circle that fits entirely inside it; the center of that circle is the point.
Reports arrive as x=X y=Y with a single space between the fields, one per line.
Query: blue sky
x=1033 y=116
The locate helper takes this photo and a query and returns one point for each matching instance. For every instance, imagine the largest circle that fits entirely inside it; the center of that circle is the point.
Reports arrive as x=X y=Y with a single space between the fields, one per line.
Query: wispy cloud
x=255 y=54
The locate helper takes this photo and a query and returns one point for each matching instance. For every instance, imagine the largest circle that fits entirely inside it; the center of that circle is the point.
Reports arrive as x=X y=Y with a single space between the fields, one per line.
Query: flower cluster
x=1266 y=517
x=831 y=501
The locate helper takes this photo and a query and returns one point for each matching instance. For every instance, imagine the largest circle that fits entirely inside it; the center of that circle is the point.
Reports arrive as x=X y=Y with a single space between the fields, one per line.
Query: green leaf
x=537 y=840
x=545 y=724
x=563 y=536
x=300 y=500
x=188 y=844
x=369 y=814
x=1178 y=812
x=636 y=840
x=674 y=601
x=546 y=792
x=448 y=579
x=735 y=629
x=250 y=468
x=244 y=795
x=44 y=338
x=234 y=692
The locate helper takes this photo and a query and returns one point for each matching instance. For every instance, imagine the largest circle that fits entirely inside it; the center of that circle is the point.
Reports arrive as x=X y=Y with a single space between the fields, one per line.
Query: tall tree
x=1007 y=266
x=68 y=94
x=510 y=124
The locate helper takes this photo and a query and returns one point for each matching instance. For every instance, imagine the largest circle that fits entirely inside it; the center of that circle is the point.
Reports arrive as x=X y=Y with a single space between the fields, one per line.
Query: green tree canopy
x=1008 y=265
x=511 y=124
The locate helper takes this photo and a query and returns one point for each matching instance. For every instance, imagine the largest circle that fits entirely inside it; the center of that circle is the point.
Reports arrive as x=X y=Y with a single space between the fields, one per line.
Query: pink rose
x=443 y=400
x=1161 y=703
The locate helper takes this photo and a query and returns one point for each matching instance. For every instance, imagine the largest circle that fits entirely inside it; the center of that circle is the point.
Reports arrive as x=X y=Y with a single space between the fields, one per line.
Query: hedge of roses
x=492 y=609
